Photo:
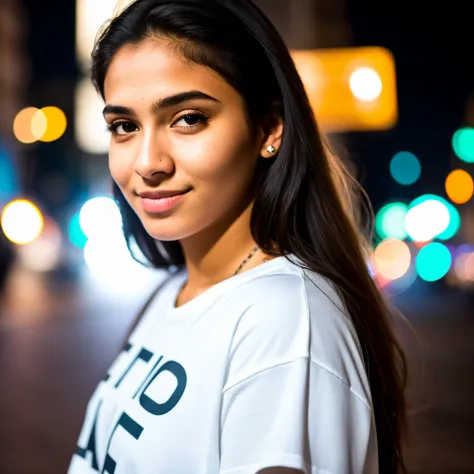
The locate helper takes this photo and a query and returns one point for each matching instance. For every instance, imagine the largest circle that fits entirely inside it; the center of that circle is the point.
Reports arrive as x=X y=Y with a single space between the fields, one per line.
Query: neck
x=215 y=253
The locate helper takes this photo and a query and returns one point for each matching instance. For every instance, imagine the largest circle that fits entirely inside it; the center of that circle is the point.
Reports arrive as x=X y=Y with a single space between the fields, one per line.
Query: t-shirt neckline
x=215 y=290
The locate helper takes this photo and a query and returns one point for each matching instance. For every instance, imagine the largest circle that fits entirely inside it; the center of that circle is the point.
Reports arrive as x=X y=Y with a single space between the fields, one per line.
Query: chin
x=164 y=236
x=165 y=232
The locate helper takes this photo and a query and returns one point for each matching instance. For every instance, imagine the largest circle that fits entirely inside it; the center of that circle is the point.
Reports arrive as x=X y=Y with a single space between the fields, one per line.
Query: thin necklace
x=247 y=258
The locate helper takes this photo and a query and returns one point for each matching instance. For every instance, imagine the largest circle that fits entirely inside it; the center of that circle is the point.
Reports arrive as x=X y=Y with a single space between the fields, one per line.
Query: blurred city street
x=392 y=90
x=57 y=341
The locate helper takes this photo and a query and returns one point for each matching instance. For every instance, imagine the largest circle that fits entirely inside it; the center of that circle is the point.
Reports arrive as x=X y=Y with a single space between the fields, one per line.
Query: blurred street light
x=47 y=124
x=350 y=89
x=392 y=258
x=433 y=261
x=21 y=221
x=459 y=186
x=463 y=144
x=405 y=168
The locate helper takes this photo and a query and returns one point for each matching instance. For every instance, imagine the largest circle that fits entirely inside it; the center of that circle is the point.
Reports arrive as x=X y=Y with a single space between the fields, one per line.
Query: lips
x=157 y=205
x=161 y=194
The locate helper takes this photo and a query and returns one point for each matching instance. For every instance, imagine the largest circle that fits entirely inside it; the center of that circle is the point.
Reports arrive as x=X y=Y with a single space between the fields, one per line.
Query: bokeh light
x=390 y=220
x=9 y=185
x=46 y=124
x=463 y=144
x=391 y=258
x=76 y=235
x=464 y=267
x=100 y=217
x=89 y=125
x=405 y=168
x=90 y=16
x=454 y=218
x=459 y=186
x=453 y=226
x=460 y=266
x=350 y=89
x=21 y=221
x=111 y=267
x=44 y=253
x=433 y=261
x=365 y=84
x=107 y=256
x=469 y=267
x=403 y=283
x=29 y=125
x=56 y=124
x=426 y=220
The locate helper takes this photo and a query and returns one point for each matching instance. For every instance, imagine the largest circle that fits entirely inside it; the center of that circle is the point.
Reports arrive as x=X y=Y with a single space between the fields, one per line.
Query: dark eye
x=192 y=120
x=122 y=128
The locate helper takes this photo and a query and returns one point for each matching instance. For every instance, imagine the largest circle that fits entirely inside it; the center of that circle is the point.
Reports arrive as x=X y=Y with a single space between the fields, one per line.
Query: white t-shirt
x=263 y=369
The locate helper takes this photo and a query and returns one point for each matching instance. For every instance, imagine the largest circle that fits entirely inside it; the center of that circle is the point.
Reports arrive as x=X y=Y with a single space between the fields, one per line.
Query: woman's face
x=162 y=142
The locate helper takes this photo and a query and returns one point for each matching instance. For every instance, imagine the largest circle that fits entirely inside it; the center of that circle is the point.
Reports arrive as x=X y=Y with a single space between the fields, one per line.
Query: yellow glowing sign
x=350 y=89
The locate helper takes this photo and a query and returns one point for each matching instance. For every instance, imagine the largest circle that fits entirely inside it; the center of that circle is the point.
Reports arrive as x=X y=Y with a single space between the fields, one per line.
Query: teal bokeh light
x=390 y=221
x=76 y=236
x=463 y=144
x=433 y=261
x=405 y=168
x=9 y=185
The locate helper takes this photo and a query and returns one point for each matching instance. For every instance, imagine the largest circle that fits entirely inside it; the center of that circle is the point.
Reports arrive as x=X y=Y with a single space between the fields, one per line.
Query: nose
x=153 y=157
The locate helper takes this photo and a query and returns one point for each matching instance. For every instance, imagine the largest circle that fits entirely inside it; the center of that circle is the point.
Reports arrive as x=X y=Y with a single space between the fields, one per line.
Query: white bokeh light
x=112 y=269
x=365 y=84
x=21 y=221
x=100 y=217
x=90 y=16
x=107 y=256
x=90 y=128
x=426 y=220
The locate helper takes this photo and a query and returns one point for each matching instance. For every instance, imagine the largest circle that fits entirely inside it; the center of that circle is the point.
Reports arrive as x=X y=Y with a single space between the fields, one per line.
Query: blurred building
x=14 y=70
x=312 y=24
x=13 y=83
x=307 y=24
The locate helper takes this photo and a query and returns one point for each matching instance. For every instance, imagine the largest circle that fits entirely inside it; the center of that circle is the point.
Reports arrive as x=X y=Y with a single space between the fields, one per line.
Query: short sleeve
x=300 y=416
x=285 y=402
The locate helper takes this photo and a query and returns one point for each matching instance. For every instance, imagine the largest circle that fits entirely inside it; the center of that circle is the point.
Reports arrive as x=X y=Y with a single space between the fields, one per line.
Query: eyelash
x=112 y=127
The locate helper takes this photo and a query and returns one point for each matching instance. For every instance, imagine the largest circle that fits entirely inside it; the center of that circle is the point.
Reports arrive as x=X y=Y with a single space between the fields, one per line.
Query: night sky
x=432 y=46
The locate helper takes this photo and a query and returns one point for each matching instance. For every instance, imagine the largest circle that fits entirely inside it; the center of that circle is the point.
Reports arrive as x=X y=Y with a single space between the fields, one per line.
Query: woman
x=270 y=350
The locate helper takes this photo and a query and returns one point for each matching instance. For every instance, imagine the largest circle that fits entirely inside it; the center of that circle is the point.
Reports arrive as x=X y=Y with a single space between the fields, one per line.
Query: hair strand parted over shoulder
x=304 y=198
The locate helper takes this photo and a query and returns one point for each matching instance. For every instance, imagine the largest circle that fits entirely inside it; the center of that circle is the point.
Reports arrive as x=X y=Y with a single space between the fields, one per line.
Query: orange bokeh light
x=391 y=259
x=459 y=186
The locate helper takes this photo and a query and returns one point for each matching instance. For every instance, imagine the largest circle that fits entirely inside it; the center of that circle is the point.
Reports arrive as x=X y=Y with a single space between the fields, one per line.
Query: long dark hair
x=304 y=197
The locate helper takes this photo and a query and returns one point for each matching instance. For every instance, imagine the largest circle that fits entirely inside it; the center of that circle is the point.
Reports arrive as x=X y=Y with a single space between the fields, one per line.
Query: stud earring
x=271 y=149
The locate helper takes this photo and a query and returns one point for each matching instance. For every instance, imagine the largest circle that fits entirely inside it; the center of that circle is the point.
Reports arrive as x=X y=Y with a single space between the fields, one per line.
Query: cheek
x=120 y=168
x=225 y=155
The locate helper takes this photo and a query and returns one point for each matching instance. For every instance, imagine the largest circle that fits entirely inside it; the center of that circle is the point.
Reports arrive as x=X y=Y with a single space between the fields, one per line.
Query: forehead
x=153 y=69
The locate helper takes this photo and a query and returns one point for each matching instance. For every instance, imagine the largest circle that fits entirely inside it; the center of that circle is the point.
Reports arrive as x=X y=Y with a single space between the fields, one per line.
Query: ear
x=272 y=127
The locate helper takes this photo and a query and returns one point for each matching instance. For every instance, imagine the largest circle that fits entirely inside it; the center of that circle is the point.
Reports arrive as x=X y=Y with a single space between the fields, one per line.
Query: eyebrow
x=165 y=103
